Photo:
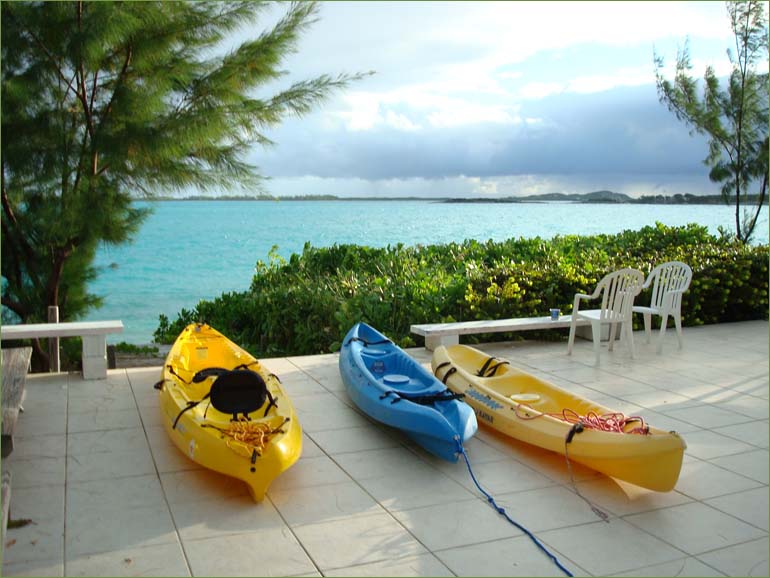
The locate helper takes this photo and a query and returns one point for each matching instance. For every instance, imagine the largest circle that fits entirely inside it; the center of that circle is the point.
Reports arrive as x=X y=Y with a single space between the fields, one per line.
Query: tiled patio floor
x=108 y=495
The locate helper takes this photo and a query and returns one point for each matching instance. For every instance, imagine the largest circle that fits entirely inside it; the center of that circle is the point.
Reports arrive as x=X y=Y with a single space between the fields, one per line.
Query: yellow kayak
x=225 y=411
x=534 y=411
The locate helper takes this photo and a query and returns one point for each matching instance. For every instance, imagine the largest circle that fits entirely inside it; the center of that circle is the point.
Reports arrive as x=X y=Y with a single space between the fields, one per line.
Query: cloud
x=624 y=129
x=493 y=91
x=467 y=113
x=369 y=110
x=400 y=121
x=633 y=185
x=538 y=90
x=363 y=112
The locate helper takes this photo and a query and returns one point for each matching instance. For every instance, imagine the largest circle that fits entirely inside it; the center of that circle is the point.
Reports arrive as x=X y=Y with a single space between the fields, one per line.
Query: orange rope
x=247 y=437
x=609 y=422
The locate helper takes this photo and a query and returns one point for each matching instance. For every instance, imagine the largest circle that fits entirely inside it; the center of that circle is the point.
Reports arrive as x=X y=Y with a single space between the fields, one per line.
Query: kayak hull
x=380 y=378
x=532 y=410
x=204 y=434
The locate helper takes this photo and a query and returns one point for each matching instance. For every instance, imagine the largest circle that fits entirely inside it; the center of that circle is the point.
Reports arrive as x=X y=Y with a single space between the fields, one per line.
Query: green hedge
x=306 y=305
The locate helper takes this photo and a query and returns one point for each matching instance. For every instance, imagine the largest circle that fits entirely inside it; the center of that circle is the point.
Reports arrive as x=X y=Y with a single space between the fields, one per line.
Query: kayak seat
x=524 y=397
x=395 y=379
x=240 y=391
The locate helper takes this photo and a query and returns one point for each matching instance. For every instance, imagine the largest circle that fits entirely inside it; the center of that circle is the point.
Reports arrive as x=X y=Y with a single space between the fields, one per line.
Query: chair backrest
x=667 y=277
x=618 y=291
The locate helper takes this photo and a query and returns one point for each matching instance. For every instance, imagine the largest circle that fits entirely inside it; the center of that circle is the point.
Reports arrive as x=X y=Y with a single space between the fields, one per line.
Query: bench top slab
x=493 y=325
x=68 y=329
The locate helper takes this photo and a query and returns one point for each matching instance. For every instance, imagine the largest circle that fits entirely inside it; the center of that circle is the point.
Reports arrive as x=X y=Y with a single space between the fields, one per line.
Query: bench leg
x=95 y=357
x=433 y=341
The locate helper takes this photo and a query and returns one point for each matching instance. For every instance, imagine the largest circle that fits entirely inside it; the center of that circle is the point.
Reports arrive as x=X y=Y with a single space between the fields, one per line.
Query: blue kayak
x=394 y=389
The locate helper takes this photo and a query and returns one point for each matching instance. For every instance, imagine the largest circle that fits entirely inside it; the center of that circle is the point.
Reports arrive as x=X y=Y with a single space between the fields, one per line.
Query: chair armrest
x=576 y=303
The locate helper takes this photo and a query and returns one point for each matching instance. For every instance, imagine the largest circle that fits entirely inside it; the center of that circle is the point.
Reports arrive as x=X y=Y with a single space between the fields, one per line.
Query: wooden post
x=53 y=342
x=112 y=362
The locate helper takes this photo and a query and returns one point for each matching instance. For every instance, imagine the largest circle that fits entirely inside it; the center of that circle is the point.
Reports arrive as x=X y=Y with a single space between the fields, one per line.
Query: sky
x=474 y=99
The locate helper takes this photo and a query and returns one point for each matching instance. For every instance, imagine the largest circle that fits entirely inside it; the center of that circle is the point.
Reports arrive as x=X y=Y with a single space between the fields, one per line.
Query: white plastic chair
x=669 y=281
x=617 y=291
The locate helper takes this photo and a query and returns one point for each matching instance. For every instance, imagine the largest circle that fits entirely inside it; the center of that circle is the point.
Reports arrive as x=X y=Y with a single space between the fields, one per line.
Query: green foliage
x=107 y=101
x=71 y=353
x=735 y=117
x=306 y=305
x=131 y=349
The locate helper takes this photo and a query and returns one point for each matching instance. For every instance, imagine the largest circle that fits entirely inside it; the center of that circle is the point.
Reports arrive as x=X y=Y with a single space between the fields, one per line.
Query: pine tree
x=103 y=102
x=734 y=118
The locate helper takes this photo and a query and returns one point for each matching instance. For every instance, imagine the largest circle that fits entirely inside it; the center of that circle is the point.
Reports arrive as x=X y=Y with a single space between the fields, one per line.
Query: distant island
x=607 y=197
x=264 y=197
x=596 y=197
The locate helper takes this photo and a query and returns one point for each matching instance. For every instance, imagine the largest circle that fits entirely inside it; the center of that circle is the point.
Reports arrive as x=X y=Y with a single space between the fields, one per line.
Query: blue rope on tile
x=502 y=512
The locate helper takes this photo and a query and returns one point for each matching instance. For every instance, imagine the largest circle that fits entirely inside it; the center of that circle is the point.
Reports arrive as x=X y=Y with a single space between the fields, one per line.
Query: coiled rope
x=502 y=512
x=614 y=422
x=247 y=438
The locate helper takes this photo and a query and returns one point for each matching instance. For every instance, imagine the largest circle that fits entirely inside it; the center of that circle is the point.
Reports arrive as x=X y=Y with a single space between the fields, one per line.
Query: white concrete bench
x=93 y=333
x=449 y=333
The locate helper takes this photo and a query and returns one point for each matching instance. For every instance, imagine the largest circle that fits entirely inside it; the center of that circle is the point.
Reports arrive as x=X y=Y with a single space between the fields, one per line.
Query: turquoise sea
x=192 y=250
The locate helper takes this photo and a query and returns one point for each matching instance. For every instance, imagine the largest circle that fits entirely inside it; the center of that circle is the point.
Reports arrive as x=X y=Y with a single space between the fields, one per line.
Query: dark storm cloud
x=623 y=130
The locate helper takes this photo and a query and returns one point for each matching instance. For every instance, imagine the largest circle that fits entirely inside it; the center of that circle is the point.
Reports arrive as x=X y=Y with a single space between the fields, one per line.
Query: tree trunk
x=40 y=360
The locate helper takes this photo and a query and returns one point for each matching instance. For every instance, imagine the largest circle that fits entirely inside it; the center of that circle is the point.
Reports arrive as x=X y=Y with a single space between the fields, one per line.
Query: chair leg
x=611 y=336
x=663 y=324
x=678 y=321
x=596 y=331
x=571 y=336
x=628 y=327
x=647 y=325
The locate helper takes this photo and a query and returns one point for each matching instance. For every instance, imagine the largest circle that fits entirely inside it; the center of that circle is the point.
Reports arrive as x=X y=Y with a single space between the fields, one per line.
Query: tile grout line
x=280 y=514
x=679 y=573
x=66 y=461
x=694 y=501
x=697 y=556
x=157 y=475
x=294 y=535
x=365 y=491
x=740 y=540
x=472 y=494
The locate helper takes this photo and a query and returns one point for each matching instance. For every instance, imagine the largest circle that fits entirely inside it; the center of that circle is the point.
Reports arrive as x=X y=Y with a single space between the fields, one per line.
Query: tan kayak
x=534 y=411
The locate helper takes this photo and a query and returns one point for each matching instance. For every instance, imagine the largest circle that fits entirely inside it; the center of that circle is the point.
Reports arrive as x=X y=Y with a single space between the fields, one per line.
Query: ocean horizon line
x=594 y=197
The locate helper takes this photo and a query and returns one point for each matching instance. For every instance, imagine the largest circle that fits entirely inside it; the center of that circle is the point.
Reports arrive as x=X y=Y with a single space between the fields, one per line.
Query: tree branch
x=14 y=306
x=25 y=247
x=51 y=59
x=121 y=77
